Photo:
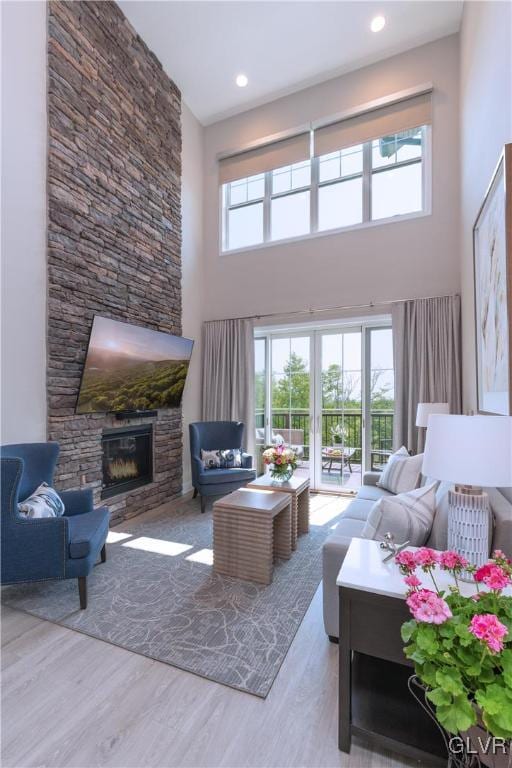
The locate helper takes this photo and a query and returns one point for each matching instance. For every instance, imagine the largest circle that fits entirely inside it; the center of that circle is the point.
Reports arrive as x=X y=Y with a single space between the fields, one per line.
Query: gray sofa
x=353 y=520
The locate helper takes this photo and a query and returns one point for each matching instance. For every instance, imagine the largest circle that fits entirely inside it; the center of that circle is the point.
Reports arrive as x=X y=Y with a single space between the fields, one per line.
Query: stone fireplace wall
x=114 y=226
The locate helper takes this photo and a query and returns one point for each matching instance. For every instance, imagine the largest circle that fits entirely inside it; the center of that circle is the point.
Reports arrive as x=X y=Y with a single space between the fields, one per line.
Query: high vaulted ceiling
x=282 y=46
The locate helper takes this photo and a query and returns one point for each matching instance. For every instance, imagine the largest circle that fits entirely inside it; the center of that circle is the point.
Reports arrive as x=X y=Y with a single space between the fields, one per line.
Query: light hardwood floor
x=71 y=700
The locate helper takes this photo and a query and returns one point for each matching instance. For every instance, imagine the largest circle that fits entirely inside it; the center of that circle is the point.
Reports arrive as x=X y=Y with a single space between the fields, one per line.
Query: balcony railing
x=381 y=430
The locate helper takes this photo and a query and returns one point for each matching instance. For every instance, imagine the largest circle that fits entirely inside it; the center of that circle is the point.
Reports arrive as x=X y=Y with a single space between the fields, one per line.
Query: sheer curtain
x=228 y=374
x=427 y=360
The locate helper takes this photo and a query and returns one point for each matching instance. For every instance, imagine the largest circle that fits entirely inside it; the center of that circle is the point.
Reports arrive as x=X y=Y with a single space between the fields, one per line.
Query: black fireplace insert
x=127 y=459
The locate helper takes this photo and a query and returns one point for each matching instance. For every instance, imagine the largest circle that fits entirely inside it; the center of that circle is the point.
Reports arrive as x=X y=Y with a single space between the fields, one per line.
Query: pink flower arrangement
x=426 y=606
x=459 y=640
x=489 y=630
x=281 y=459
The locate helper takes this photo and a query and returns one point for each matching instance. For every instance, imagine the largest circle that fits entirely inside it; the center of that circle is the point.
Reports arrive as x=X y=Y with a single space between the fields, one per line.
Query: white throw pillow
x=409 y=516
x=44 y=502
x=402 y=472
x=210 y=459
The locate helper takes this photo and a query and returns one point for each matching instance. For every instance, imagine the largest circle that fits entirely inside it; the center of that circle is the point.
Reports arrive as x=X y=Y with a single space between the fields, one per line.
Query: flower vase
x=280 y=473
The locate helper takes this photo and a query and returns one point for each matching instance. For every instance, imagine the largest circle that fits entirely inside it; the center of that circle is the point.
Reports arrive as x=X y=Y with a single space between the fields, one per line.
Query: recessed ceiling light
x=241 y=80
x=378 y=23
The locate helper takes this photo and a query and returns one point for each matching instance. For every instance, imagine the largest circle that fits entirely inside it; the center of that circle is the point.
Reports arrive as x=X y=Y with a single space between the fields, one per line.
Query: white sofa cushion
x=408 y=516
x=402 y=472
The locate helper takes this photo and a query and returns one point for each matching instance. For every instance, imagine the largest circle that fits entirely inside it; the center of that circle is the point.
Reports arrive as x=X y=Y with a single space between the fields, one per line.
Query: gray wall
x=23 y=221
x=192 y=274
x=418 y=257
x=485 y=126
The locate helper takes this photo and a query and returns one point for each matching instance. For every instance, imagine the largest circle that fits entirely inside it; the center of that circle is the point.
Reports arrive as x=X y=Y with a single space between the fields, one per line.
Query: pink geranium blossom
x=412 y=580
x=497 y=579
x=426 y=558
x=482 y=572
x=452 y=561
x=489 y=630
x=494 y=576
x=406 y=561
x=428 y=607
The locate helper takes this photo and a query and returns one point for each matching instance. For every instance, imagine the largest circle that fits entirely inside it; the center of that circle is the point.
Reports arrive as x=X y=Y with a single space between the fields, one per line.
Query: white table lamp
x=472 y=452
x=427 y=409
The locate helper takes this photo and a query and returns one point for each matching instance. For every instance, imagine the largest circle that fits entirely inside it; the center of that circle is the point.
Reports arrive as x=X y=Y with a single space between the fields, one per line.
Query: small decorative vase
x=280 y=473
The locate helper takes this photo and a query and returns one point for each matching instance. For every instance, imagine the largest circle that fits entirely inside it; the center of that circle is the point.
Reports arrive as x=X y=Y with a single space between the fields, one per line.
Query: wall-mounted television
x=131 y=368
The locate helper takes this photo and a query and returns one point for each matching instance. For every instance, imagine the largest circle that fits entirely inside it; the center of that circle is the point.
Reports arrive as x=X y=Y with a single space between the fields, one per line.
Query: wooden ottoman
x=298 y=488
x=251 y=529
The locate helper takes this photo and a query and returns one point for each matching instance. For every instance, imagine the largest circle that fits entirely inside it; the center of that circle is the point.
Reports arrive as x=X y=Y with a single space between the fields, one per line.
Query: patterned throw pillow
x=44 y=502
x=231 y=458
x=226 y=459
x=210 y=459
x=402 y=472
x=408 y=516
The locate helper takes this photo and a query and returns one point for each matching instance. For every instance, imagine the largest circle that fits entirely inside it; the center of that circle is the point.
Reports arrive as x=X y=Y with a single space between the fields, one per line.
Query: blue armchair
x=210 y=436
x=64 y=547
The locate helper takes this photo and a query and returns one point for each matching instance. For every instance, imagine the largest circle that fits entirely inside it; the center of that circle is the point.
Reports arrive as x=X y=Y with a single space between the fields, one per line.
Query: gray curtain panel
x=228 y=374
x=427 y=359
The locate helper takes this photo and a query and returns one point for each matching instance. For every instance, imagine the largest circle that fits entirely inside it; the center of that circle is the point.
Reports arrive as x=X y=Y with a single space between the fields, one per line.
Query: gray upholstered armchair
x=65 y=547
x=217 y=435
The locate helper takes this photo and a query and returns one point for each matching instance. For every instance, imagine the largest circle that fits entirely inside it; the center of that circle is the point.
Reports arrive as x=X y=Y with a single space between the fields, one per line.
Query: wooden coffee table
x=251 y=528
x=298 y=488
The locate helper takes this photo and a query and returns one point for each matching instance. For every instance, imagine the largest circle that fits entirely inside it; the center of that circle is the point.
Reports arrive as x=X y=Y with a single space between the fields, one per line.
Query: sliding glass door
x=339 y=409
x=329 y=394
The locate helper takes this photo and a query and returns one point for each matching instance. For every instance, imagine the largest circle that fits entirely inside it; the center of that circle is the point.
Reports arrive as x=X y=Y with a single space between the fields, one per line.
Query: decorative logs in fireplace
x=127 y=459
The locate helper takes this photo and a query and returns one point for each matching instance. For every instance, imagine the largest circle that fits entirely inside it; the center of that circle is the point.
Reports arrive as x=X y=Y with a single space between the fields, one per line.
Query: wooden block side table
x=298 y=488
x=250 y=530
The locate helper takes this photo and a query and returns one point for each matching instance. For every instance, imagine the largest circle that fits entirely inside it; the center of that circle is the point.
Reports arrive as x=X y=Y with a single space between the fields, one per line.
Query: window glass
x=245 y=190
x=256 y=187
x=340 y=205
x=352 y=160
x=290 y=215
x=329 y=166
x=291 y=177
x=346 y=162
x=238 y=191
x=277 y=204
x=259 y=388
x=245 y=226
x=397 y=191
x=395 y=149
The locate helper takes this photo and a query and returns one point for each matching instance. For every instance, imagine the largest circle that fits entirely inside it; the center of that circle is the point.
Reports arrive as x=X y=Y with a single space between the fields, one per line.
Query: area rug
x=157 y=595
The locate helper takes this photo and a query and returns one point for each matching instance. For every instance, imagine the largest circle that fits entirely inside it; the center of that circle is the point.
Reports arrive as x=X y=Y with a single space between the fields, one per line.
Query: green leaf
x=427 y=640
x=506 y=662
x=464 y=635
x=457 y=717
x=495 y=728
x=496 y=701
x=416 y=656
x=407 y=630
x=439 y=697
x=450 y=682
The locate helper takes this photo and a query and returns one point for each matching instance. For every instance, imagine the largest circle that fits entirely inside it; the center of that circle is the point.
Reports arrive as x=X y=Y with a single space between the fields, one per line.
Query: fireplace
x=127 y=459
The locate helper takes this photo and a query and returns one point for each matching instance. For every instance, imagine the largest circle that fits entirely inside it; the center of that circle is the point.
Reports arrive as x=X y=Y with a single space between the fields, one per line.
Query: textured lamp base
x=468 y=527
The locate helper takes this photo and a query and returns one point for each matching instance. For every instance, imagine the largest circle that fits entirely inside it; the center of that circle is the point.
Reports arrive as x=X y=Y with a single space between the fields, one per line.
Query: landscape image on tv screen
x=129 y=368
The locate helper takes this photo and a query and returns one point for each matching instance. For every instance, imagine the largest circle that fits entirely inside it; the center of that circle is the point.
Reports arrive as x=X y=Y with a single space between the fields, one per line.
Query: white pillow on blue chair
x=44 y=502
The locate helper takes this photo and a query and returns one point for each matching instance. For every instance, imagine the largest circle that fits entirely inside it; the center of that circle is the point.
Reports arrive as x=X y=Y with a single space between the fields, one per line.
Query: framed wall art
x=492 y=253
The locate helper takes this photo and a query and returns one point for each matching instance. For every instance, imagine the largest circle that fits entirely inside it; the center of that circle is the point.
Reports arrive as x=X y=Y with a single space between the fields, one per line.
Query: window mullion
x=267 y=207
x=313 y=202
x=367 y=171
